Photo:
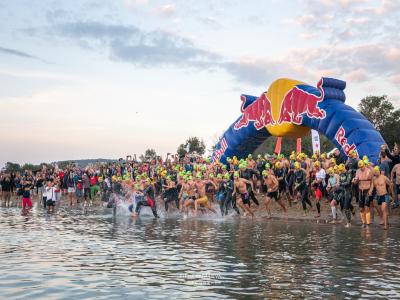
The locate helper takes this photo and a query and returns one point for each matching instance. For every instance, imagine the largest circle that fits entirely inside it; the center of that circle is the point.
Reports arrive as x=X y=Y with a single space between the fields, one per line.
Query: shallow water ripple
x=77 y=255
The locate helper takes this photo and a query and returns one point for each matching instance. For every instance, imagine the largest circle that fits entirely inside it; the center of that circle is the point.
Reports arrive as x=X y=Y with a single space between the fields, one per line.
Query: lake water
x=75 y=255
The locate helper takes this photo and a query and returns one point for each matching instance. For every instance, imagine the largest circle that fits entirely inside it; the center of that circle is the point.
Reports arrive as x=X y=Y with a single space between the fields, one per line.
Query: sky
x=103 y=79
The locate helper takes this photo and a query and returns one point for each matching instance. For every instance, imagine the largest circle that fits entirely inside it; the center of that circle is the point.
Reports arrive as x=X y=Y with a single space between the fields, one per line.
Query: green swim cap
x=267 y=166
x=236 y=174
x=219 y=176
x=227 y=176
x=199 y=176
x=211 y=175
x=223 y=167
x=265 y=172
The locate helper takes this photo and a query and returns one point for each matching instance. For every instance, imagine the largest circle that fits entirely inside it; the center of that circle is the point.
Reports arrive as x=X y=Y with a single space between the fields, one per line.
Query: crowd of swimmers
x=193 y=185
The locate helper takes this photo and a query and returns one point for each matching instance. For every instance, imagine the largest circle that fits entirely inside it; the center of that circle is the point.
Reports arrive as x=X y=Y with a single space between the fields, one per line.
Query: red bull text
x=340 y=137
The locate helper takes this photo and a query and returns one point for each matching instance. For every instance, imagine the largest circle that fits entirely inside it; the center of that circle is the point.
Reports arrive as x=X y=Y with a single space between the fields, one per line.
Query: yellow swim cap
x=377 y=169
x=361 y=164
x=317 y=164
x=297 y=165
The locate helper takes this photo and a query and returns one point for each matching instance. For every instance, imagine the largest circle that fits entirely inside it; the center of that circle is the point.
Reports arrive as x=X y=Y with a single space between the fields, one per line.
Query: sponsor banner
x=315 y=141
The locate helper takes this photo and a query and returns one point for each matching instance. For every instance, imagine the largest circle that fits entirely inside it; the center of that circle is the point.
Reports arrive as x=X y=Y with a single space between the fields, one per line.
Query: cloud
x=167 y=10
x=358 y=75
x=134 y=4
x=210 y=21
x=9 y=51
x=130 y=44
x=350 y=20
x=395 y=79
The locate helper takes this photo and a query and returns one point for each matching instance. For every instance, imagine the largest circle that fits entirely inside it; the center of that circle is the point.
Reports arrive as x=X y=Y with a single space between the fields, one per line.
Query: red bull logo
x=298 y=102
x=259 y=111
x=294 y=105
x=340 y=137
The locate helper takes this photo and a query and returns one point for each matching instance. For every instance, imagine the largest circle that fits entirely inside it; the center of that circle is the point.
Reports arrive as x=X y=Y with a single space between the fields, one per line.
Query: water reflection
x=80 y=255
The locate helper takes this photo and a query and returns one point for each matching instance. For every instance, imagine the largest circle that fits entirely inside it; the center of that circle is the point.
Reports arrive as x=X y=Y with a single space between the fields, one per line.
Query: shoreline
x=295 y=213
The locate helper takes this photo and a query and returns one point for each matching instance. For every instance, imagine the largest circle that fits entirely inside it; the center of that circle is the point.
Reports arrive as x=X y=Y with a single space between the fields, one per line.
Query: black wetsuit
x=344 y=191
x=226 y=189
x=171 y=195
x=248 y=174
x=290 y=181
x=280 y=176
x=149 y=200
x=300 y=184
x=352 y=165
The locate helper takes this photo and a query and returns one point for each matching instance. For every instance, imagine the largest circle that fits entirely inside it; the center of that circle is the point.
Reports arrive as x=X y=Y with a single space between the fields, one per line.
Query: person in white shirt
x=50 y=196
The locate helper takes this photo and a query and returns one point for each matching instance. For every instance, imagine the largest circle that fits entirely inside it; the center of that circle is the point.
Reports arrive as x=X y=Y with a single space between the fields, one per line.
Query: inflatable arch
x=293 y=108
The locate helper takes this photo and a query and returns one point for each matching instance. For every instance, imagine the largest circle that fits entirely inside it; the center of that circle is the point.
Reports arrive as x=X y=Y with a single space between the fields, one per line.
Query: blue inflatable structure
x=292 y=108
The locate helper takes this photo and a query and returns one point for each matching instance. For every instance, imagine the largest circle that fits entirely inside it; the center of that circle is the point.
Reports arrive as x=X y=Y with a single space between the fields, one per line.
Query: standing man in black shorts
x=272 y=191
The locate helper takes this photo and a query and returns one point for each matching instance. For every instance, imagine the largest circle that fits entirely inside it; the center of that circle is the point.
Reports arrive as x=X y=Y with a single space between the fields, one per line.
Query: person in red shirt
x=94 y=185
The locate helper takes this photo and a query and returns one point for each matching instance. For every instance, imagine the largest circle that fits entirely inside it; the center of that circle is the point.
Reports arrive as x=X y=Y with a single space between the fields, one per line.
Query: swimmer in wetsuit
x=170 y=194
x=149 y=200
x=344 y=190
x=226 y=190
x=280 y=174
x=300 y=185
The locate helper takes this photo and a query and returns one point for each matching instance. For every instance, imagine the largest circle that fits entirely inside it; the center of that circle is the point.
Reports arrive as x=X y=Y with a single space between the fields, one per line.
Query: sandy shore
x=295 y=212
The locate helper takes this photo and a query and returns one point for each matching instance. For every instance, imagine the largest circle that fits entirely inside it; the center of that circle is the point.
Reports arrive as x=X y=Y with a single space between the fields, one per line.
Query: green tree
x=193 y=144
x=31 y=167
x=149 y=154
x=12 y=167
x=64 y=164
x=380 y=111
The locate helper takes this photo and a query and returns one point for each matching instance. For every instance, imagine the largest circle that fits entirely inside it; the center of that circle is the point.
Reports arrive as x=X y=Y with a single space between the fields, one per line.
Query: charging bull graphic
x=291 y=108
x=298 y=102
x=259 y=111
